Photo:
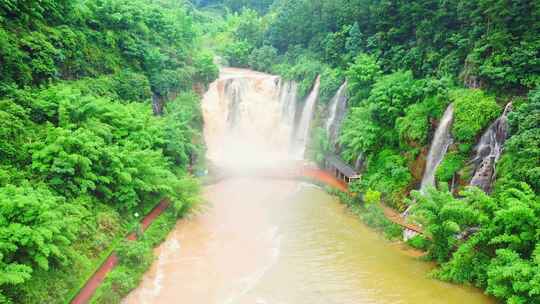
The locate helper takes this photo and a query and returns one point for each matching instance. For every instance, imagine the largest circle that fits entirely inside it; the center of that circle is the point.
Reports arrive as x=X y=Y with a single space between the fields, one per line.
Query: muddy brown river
x=270 y=241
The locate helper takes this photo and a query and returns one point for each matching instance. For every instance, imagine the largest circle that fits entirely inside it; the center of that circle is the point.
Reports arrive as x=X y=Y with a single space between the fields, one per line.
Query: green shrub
x=387 y=173
x=206 y=70
x=414 y=126
x=418 y=242
x=361 y=76
x=304 y=70
x=263 y=59
x=473 y=111
x=331 y=80
x=360 y=133
x=131 y=86
x=134 y=254
x=237 y=54
x=373 y=216
x=392 y=94
x=521 y=158
x=451 y=164
x=372 y=197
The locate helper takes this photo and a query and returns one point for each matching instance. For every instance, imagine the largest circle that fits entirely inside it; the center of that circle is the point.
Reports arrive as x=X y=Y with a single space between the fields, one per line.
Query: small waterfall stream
x=302 y=131
x=488 y=151
x=287 y=96
x=338 y=108
x=439 y=146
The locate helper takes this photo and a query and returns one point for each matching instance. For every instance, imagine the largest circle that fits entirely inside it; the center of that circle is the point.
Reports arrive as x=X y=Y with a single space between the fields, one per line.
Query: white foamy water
x=249 y=119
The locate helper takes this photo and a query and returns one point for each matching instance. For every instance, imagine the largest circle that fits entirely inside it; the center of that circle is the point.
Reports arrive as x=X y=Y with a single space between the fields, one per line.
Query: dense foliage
x=81 y=151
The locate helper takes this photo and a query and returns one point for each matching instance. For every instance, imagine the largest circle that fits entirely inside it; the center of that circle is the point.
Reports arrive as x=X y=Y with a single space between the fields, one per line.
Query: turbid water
x=274 y=241
x=268 y=241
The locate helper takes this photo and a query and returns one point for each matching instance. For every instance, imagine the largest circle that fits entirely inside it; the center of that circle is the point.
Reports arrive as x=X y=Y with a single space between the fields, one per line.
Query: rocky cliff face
x=489 y=150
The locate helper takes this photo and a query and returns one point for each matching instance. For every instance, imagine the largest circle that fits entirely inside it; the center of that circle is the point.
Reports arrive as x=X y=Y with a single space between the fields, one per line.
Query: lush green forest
x=405 y=62
x=100 y=120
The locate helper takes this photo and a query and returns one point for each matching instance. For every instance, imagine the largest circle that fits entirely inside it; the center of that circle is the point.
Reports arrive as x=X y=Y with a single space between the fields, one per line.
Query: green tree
x=521 y=159
x=36 y=227
x=361 y=76
x=263 y=59
x=443 y=218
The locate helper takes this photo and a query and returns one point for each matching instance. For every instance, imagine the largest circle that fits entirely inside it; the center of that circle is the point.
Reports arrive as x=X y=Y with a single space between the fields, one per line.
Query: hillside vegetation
x=101 y=119
x=82 y=155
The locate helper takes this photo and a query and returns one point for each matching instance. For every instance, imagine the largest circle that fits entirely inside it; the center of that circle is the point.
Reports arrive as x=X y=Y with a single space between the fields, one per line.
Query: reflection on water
x=268 y=241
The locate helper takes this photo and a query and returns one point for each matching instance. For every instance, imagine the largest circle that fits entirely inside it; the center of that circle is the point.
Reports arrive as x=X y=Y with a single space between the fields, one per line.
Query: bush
x=360 y=133
x=392 y=94
x=134 y=254
x=263 y=59
x=131 y=86
x=473 y=111
x=331 y=80
x=451 y=164
x=372 y=197
x=521 y=158
x=319 y=146
x=38 y=229
x=373 y=216
x=237 y=54
x=387 y=173
x=418 y=242
x=304 y=70
x=362 y=74
x=206 y=70
x=413 y=128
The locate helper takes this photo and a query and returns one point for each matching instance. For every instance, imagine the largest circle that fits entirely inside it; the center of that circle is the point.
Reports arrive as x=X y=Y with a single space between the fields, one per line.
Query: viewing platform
x=340 y=169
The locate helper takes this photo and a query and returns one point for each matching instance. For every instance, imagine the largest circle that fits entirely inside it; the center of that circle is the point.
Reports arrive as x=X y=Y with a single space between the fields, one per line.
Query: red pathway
x=325 y=177
x=98 y=277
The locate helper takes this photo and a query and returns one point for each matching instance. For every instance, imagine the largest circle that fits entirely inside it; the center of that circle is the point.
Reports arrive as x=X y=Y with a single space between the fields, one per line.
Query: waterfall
x=288 y=90
x=439 y=145
x=302 y=131
x=488 y=151
x=248 y=118
x=233 y=89
x=338 y=107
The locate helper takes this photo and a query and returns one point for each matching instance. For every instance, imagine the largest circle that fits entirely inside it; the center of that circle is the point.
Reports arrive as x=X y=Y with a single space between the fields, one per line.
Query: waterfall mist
x=249 y=119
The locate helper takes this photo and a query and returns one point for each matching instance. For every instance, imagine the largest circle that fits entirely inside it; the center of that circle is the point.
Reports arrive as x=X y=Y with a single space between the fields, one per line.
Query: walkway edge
x=85 y=294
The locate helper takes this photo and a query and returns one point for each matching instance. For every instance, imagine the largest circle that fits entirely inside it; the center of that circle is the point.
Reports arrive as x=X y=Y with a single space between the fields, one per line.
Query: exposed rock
x=489 y=150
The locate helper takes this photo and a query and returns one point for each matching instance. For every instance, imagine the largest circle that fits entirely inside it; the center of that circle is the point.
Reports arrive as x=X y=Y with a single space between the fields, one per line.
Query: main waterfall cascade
x=337 y=111
x=250 y=119
x=439 y=146
x=488 y=151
